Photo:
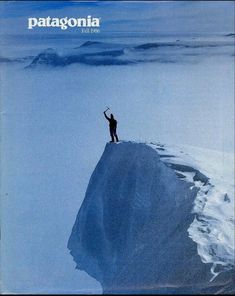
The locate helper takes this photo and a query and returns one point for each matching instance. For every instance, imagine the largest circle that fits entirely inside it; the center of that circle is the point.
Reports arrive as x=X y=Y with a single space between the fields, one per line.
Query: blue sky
x=22 y=8
x=160 y=16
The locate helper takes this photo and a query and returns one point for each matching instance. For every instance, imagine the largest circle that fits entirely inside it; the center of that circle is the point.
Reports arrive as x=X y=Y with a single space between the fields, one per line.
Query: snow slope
x=152 y=217
x=213 y=225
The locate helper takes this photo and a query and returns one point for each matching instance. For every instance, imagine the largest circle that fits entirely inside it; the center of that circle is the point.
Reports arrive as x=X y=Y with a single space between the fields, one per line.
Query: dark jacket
x=112 y=122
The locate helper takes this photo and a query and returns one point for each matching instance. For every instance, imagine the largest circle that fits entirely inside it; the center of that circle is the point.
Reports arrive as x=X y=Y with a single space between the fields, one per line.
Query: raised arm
x=106 y=116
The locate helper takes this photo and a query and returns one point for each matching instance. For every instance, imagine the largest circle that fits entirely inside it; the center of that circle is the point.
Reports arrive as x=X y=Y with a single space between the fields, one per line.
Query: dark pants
x=113 y=134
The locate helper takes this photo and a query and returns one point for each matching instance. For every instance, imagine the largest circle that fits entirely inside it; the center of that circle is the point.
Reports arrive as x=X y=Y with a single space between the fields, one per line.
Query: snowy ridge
x=213 y=227
x=96 y=53
x=142 y=225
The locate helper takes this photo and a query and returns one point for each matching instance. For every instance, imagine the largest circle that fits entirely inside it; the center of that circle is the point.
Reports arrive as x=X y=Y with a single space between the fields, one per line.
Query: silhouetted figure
x=112 y=127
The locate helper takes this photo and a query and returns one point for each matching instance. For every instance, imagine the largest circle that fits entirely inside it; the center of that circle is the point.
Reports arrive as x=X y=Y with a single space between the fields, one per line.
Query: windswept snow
x=213 y=228
x=153 y=216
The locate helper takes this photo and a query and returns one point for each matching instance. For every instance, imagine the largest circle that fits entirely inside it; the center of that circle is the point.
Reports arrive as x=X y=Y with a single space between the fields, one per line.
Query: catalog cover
x=117 y=146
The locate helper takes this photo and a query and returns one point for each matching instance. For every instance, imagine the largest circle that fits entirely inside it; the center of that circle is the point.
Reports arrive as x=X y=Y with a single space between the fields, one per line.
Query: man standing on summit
x=112 y=126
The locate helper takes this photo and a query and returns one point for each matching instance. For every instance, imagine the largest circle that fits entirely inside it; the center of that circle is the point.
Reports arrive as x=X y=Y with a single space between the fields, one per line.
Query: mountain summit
x=140 y=227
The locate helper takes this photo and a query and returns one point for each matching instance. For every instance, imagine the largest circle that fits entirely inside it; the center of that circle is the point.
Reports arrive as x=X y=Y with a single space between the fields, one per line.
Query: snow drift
x=136 y=231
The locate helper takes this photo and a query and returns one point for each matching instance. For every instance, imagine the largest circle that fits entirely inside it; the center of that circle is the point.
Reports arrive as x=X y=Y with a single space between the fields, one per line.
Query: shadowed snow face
x=134 y=232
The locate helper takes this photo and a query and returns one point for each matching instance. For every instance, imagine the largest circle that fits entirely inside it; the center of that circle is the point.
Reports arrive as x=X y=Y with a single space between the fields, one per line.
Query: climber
x=112 y=126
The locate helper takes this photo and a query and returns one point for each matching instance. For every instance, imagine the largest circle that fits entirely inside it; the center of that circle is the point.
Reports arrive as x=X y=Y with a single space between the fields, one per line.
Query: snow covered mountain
x=96 y=53
x=158 y=219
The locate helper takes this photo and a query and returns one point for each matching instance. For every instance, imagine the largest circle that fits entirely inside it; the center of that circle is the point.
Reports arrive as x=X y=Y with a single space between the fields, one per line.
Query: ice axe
x=106 y=109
